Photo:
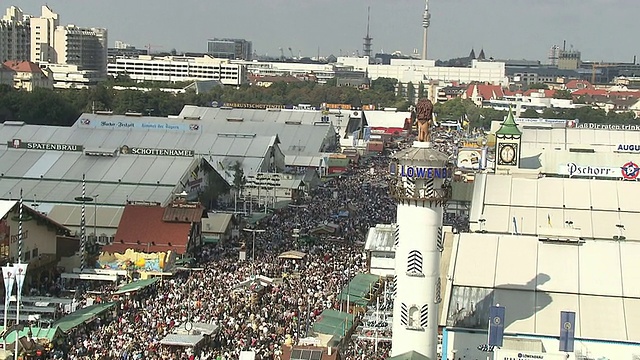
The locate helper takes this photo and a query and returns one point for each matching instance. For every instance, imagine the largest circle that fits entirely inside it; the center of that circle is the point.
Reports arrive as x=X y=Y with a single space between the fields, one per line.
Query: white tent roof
x=6 y=206
x=386 y=119
x=535 y=280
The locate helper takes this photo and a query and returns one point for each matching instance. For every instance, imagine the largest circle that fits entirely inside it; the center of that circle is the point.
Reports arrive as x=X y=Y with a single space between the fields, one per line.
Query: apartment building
x=85 y=47
x=14 y=35
x=179 y=68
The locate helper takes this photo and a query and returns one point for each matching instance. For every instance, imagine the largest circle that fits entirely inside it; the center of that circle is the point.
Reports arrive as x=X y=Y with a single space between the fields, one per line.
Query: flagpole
x=19 y=285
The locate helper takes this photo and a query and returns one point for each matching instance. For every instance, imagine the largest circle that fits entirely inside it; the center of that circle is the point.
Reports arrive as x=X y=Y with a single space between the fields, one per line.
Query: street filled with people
x=329 y=226
x=285 y=312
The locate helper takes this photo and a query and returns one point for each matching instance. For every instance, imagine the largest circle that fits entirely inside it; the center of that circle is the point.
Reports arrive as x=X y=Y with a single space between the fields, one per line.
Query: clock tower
x=508 y=141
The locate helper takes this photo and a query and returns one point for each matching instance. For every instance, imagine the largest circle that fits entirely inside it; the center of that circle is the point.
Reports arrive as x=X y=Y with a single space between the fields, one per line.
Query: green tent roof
x=333 y=322
x=359 y=288
x=256 y=216
x=36 y=333
x=85 y=314
x=135 y=286
x=509 y=126
x=338 y=162
x=411 y=355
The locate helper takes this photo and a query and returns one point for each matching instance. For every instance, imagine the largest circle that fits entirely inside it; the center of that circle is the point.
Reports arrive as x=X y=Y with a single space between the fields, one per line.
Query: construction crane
x=281 y=54
x=291 y=51
x=149 y=46
x=595 y=66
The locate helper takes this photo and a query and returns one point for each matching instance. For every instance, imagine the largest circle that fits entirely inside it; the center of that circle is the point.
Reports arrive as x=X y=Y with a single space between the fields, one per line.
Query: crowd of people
x=247 y=321
x=250 y=320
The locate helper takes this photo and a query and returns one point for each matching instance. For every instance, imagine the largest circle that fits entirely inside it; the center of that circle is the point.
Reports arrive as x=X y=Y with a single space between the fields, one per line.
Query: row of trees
x=458 y=109
x=63 y=107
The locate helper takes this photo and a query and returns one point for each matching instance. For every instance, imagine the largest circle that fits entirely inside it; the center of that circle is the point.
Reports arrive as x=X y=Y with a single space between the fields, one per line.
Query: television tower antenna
x=426 y=21
x=366 y=47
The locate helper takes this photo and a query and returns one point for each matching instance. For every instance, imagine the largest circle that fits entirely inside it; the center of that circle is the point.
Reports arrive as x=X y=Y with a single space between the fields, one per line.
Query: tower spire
x=426 y=21
x=366 y=46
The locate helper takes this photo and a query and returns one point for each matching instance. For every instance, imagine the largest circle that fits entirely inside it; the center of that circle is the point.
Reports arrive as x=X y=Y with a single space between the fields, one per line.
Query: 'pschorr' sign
x=126 y=150
x=628 y=171
x=622 y=127
x=418 y=172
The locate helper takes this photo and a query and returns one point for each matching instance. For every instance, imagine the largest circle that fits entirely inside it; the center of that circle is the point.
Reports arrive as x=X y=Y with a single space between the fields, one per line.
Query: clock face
x=508 y=154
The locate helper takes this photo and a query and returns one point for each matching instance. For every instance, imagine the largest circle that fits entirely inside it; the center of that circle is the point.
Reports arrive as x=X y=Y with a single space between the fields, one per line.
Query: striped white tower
x=420 y=188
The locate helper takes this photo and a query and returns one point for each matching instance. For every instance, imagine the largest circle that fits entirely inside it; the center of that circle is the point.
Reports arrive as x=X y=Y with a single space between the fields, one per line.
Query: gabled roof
x=509 y=126
x=216 y=223
x=23 y=66
x=6 y=206
x=485 y=91
x=183 y=212
x=4 y=68
x=141 y=227
x=578 y=84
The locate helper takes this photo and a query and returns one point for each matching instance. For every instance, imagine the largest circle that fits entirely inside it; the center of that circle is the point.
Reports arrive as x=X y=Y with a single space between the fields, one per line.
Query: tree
x=400 y=90
x=384 y=84
x=539 y=86
x=562 y=94
x=239 y=179
x=411 y=93
x=421 y=90
x=216 y=186
x=530 y=113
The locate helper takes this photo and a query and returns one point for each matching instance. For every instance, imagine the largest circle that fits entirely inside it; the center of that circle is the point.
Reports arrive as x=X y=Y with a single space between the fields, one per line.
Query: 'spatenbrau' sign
x=19 y=144
x=126 y=150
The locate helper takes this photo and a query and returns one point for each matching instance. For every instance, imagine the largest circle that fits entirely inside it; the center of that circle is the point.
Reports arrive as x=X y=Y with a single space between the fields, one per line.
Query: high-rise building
x=14 y=36
x=42 y=36
x=85 y=47
x=230 y=49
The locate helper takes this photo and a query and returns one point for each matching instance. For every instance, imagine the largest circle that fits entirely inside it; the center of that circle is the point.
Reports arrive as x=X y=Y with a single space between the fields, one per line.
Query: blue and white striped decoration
x=414 y=262
x=396 y=236
x=404 y=314
x=20 y=242
x=82 y=226
x=440 y=239
x=430 y=188
x=424 y=315
x=409 y=187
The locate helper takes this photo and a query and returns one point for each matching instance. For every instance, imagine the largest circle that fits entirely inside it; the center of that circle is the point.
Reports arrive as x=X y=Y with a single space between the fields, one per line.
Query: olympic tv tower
x=420 y=186
x=426 y=21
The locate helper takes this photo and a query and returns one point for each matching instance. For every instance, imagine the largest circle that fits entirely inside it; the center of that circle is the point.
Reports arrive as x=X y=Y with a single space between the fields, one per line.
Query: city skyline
x=337 y=27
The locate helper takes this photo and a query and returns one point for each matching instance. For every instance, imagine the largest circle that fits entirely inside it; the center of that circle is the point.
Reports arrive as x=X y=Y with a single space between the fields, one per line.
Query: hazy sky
x=518 y=29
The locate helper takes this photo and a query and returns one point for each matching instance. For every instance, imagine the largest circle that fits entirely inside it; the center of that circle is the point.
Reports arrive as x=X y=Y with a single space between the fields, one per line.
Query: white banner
x=573 y=169
x=9 y=275
x=21 y=272
x=503 y=354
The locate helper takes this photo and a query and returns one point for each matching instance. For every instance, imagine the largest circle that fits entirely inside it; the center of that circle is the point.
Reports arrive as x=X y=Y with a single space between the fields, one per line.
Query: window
x=414 y=317
x=34 y=253
x=27 y=256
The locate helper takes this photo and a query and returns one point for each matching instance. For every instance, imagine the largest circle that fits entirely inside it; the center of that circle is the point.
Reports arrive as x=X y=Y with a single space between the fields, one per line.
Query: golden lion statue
x=424 y=119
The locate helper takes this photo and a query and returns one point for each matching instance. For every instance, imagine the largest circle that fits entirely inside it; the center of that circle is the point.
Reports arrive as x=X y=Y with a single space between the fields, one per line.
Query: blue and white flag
x=567 y=334
x=496 y=325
